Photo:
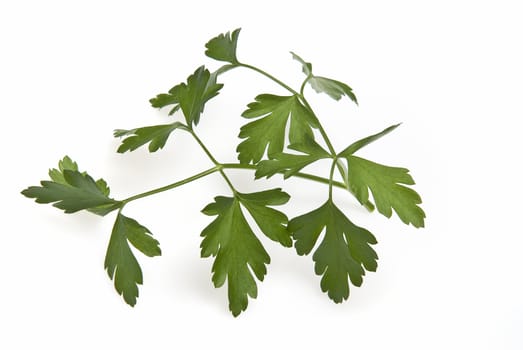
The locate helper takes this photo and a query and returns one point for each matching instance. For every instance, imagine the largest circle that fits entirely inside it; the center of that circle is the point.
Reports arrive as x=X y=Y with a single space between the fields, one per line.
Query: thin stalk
x=302 y=87
x=326 y=139
x=320 y=127
x=218 y=168
x=300 y=175
x=218 y=165
x=173 y=185
x=331 y=175
x=205 y=149
x=273 y=78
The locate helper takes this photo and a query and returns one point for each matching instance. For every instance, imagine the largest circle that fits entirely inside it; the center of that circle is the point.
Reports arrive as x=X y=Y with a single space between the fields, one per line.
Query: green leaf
x=156 y=136
x=306 y=66
x=163 y=100
x=72 y=191
x=238 y=252
x=344 y=253
x=270 y=221
x=68 y=164
x=120 y=262
x=290 y=164
x=105 y=209
x=191 y=97
x=335 y=89
x=385 y=183
x=65 y=164
x=200 y=88
x=223 y=47
x=171 y=98
x=354 y=147
x=342 y=167
x=268 y=132
x=103 y=187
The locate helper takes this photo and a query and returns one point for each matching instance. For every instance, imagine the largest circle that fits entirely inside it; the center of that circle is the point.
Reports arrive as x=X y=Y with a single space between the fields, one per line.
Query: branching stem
x=219 y=168
x=369 y=206
x=302 y=98
x=306 y=176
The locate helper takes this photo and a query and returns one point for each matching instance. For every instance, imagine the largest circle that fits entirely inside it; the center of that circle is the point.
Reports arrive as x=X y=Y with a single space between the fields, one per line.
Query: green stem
x=218 y=168
x=273 y=78
x=306 y=176
x=218 y=165
x=205 y=149
x=331 y=176
x=173 y=185
x=320 y=127
x=302 y=87
x=327 y=141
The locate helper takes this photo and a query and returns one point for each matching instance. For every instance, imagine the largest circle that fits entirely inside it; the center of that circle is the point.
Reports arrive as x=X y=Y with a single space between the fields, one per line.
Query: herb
x=345 y=250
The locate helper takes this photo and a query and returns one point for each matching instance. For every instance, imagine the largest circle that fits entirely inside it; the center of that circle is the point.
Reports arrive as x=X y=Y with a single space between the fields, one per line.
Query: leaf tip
x=25 y=192
x=223 y=46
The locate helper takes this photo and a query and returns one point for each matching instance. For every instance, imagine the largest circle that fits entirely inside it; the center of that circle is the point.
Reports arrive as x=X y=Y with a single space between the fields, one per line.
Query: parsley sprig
x=283 y=136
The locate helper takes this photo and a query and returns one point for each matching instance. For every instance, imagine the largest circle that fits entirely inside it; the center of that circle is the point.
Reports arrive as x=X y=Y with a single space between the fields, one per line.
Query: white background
x=451 y=71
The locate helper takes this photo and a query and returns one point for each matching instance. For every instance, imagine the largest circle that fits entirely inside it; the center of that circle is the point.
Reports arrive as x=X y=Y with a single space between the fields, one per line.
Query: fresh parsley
x=283 y=136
